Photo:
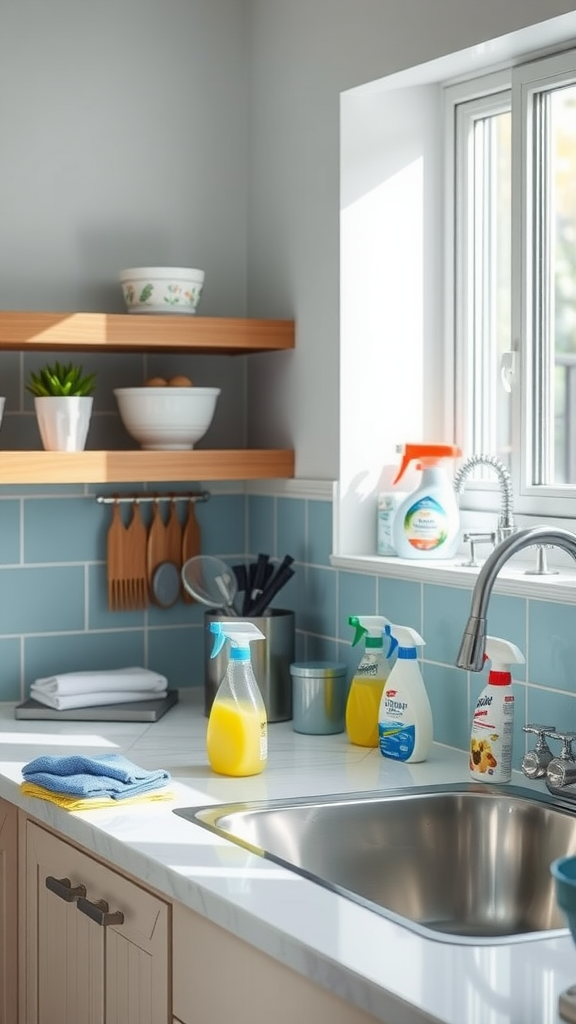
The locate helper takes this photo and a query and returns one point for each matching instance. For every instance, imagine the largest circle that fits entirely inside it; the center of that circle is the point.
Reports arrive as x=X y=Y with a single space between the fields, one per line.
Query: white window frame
x=529 y=79
x=486 y=94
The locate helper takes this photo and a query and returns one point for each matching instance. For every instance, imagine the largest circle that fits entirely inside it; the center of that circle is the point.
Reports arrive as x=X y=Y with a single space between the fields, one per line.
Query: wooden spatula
x=191 y=546
x=174 y=536
x=135 y=568
x=156 y=547
x=115 y=542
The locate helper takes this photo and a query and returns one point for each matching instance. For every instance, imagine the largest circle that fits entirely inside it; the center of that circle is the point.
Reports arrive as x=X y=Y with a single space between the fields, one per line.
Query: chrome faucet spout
x=472 y=645
x=506 y=524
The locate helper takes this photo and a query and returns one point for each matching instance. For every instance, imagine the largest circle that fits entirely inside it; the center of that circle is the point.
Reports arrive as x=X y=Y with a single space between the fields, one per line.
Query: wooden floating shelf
x=42 y=467
x=123 y=332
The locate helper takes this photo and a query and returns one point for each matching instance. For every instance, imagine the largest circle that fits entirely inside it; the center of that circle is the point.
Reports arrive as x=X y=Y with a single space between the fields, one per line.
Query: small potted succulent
x=63 y=403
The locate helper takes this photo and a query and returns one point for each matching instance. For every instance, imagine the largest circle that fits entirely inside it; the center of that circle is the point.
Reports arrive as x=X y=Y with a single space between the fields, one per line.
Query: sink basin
x=458 y=863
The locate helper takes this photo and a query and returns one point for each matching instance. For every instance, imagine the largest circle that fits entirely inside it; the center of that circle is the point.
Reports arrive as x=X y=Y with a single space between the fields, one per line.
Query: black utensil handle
x=248 y=592
x=267 y=595
x=241 y=576
x=258 y=579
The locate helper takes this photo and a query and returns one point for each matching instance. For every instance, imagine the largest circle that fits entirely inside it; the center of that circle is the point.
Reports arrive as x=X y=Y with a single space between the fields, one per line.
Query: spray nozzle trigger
x=239 y=635
x=219 y=641
x=373 y=627
x=393 y=641
x=360 y=631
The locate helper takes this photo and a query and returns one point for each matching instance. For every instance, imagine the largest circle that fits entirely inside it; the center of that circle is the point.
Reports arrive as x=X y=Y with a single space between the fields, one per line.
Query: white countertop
x=390 y=971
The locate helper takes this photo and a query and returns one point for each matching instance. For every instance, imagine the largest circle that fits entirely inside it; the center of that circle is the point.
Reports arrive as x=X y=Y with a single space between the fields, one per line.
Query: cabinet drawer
x=97 y=944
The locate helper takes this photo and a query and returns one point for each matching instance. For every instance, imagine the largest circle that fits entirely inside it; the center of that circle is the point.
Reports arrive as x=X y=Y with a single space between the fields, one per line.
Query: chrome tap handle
x=535 y=762
x=561 y=770
x=473 y=537
x=567 y=739
x=540 y=730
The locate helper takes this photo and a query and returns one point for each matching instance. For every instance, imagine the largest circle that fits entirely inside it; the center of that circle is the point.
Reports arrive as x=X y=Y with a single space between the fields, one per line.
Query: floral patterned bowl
x=162 y=289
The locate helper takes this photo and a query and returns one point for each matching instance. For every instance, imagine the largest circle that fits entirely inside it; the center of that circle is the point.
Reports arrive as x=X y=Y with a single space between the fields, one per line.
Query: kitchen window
x=511 y=145
x=458 y=279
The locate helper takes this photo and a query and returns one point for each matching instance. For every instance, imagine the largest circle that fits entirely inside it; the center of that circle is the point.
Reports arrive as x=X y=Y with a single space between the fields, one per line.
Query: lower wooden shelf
x=42 y=467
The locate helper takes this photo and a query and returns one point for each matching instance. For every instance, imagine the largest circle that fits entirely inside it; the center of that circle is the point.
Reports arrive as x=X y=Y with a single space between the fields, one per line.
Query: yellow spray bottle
x=369 y=679
x=237 y=734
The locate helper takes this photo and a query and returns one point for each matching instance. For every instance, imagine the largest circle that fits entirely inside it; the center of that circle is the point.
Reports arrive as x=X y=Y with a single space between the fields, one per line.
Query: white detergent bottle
x=493 y=720
x=365 y=693
x=237 y=734
x=427 y=523
x=405 y=716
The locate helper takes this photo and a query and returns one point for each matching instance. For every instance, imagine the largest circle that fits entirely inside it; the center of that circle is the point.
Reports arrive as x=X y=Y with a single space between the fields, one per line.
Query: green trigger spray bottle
x=369 y=679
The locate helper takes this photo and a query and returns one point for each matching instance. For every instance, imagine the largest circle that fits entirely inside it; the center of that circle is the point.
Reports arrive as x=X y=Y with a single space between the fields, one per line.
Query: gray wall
x=124 y=143
x=123 y=129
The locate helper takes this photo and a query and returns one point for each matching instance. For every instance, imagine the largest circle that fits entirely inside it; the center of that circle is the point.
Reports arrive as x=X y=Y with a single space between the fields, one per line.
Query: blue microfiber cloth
x=110 y=774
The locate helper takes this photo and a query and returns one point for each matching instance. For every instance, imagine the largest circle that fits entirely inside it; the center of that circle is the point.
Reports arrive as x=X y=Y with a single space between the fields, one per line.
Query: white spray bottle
x=368 y=681
x=493 y=720
x=405 y=716
x=237 y=734
x=427 y=523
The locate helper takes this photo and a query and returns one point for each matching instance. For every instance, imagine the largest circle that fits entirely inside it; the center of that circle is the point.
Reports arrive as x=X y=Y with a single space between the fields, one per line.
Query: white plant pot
x=64 y=422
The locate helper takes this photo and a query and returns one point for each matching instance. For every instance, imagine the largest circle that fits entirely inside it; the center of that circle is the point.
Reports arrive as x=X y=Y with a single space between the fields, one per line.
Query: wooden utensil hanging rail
x=112 y=499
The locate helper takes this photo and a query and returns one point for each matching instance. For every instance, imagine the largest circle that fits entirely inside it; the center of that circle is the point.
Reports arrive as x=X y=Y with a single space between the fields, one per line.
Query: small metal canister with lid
x=319 y=693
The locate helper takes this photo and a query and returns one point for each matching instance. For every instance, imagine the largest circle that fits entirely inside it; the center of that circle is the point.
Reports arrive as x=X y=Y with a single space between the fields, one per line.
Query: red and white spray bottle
x=493 y=720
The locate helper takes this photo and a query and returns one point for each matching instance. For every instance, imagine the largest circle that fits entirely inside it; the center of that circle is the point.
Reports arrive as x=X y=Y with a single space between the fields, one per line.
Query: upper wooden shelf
x=42 y=467
x=123 y=332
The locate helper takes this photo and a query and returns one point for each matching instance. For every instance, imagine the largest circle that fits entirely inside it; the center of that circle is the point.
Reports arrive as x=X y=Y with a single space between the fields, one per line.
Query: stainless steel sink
x=462 y=863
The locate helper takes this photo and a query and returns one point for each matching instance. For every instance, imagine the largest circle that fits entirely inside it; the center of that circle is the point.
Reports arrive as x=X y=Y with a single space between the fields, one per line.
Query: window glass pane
x=562 y=227
x=486 y=269
x=501 y=439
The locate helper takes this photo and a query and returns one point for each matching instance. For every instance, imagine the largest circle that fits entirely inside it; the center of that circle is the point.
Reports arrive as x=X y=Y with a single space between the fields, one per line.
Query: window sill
x=512 y=580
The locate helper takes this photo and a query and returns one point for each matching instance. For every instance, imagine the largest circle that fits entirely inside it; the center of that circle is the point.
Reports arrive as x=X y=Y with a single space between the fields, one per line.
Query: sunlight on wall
x=389 y=174
x=381 y=324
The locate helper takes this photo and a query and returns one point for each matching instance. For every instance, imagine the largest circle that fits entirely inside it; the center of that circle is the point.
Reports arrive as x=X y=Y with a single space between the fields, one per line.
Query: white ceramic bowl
x=166 y=418
x=162 y=289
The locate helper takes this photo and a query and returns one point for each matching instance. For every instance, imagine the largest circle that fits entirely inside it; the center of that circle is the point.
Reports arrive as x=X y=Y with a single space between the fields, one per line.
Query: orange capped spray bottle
x=369 y=679
x=237 y=734
x=427 y=523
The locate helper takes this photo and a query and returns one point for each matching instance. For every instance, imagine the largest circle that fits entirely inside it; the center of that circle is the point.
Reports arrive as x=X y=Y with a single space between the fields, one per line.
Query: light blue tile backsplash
x=552 y=645
x=54 y=615
x=9 y=532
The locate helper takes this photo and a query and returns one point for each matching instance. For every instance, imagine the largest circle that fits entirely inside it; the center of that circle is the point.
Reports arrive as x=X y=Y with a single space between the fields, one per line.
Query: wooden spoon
x=156 y=548
x=191 y=545
x=174 y=536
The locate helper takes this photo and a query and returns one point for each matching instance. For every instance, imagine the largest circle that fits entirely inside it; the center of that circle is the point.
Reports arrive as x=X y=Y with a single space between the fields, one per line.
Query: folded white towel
x=115 y=680
x=90 y=700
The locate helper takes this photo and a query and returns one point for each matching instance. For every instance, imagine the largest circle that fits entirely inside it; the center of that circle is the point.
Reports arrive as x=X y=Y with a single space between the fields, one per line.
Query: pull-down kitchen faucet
x=471 y=653
x=506 y=524
x=559 y=771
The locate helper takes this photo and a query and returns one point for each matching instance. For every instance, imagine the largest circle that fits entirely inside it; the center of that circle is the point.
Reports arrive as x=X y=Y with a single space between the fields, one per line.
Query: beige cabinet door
x=220 y=978
x=8 y=912
x=96 y=943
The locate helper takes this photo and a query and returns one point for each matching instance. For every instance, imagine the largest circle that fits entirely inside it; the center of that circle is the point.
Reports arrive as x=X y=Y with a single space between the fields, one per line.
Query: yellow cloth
x=88 y=803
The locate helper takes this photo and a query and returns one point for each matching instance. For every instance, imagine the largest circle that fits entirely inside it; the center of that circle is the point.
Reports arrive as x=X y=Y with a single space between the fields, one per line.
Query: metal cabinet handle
x=98 y=911
x=63 y=888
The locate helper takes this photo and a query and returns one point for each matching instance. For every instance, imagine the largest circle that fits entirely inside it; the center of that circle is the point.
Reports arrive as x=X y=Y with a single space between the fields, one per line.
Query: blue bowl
x=564 y=874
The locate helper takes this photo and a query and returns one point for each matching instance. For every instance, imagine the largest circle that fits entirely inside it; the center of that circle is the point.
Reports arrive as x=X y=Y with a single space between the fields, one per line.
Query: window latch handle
x=507 y=369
